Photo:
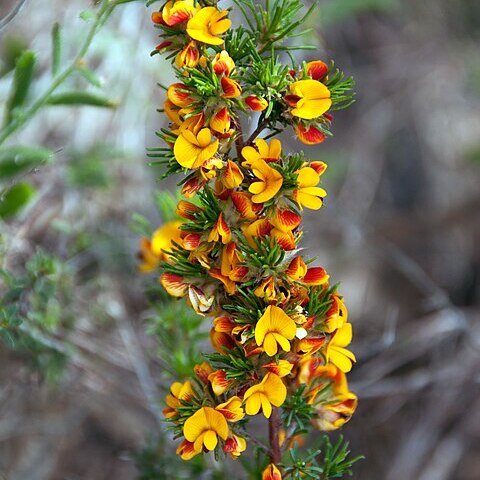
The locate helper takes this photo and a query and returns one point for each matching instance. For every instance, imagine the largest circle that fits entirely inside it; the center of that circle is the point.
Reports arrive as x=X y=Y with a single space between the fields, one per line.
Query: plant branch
x=20 y=119
x=260 y=127
x=274 y=425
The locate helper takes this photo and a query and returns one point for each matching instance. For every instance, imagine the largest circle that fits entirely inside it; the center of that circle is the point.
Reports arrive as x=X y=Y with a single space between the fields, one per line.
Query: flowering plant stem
x=279 y=329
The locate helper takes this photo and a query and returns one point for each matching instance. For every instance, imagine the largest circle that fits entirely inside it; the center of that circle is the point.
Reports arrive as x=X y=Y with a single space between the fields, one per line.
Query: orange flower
x=257 y=104
x=297 y=269
x=310 y=135
x=271 y=473
x=177 y=12
x=232 y=409
x=232 y=175
x=316 y=276
x=317 y=69
x=282 y=368
x=220 y=231
x=223 y=64
x=231 y=88
x=235 y=445
x=270 y=182
x=219 y=382
x=244 y=205
x=220 y=123
x=188 y=56
x=285 y=220
x=174 y=285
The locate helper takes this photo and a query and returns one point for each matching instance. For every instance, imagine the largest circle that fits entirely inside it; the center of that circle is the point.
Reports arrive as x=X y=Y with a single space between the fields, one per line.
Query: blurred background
x=79 y=395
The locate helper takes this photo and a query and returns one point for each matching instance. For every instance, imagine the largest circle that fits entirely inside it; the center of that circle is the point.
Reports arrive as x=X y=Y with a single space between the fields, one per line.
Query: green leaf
x=16 y=159
x=88 y=15
x=56 y=48
x=88 y=75
x=22 y=81
x=11 y=49
x=79 y=97
x=15 y=199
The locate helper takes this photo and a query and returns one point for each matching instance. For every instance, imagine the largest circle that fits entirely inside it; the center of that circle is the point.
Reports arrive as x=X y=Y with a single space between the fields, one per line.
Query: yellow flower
x=177 y=12
x=282 y=368
x=232 y=175
x=232 y=409
x=270 y=182
x=186 y=450
x=207 y=24
x=188 y=56
x=153 y=251
x=204 y=427
x=336 y=351
x=263 y=151
x=179 y=393
x=274 y=328
x=270 y=391
x=223 y=64
x=271 y=473
x=309 y=99
x=235 y=445
x=192 y=151
x=334 y=415
x=308 y=194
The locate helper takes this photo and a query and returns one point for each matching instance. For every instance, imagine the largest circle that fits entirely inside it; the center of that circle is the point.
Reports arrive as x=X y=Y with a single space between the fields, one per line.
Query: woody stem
x=274 y=425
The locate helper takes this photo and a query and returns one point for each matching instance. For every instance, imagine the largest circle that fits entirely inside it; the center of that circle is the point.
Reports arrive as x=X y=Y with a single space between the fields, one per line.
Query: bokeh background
x=399 y=230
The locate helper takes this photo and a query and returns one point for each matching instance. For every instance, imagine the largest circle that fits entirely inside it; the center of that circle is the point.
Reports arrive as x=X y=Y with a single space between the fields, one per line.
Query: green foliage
x=179 y=335
x=297 y=412
x=323 y=463
x=155 y=461
x=80 y=97
x=11 y=49
x=15 y=198
x=32 y=311
x=18 y=159
x=22 y=81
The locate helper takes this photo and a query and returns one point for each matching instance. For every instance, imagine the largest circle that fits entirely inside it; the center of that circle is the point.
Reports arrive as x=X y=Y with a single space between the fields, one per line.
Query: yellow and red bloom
x=204 y=427
x=274 y=328
x=223 y=64
x=231 y=88
x=270 y=182
x=175 y=285
x=310 y=135
x=232 y=175
x=317 y=70
x=235 y=445
x=257 y=104
x=282 y=368
x=193 y=151
x=271 y=473
x=270 y=391
x=208 y=24
x=308 y=98
x=231 y=409
x=188 y=56
x=219 y=381
x=177 y=12
x=220 y=123
x=220 y=231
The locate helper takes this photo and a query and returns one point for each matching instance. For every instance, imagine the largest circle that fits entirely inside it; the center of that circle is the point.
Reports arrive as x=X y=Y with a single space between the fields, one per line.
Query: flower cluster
x=278 y=327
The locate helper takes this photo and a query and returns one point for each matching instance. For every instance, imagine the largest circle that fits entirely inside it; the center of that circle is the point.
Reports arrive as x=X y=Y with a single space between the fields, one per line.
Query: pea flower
x=274 y=328
x=309 y=99
x=192 y=151
x=204 y=427
x=307 y=194
x=271 y=473
x=208 y=24
x=270 y=391
x=270 y=182
x=336 y=351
